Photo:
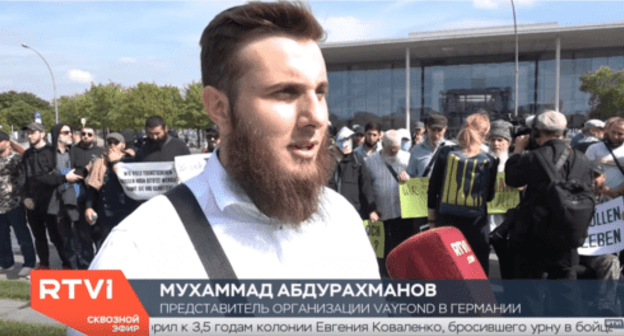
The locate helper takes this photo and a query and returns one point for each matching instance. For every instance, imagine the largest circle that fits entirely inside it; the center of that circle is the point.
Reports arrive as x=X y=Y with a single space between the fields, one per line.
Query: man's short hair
x=372 y=126
x=228 y=32
x=154 y=121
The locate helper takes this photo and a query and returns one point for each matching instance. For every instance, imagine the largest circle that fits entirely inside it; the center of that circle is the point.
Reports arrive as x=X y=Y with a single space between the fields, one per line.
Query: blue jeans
x=17 y=220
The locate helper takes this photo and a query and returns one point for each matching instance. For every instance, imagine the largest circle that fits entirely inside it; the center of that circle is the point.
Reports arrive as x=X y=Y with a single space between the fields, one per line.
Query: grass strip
x=10 y=328
x=15 y=290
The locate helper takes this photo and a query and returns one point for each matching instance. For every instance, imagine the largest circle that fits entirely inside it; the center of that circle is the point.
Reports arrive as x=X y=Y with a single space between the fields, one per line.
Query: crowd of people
x=263 y=191
x=67 y=190
x=462 y=180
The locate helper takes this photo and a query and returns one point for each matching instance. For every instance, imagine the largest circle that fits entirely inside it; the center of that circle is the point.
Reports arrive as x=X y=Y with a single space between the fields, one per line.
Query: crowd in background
x=67 y=190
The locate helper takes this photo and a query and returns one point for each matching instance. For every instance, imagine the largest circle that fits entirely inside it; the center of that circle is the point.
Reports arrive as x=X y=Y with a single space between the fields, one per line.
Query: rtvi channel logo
x=614 y=323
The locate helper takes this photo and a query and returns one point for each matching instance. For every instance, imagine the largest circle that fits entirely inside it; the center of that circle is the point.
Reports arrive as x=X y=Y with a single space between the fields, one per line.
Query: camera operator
x=535 y=257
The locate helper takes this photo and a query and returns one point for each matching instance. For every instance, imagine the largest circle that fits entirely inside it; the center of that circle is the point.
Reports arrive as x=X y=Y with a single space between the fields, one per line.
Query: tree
x=143 y=101
x=607 y=92
x=18 y=109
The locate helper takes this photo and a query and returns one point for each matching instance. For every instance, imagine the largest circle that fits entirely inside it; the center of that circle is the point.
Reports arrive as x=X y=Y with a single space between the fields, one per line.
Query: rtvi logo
x=614 y=323
x=52 y=287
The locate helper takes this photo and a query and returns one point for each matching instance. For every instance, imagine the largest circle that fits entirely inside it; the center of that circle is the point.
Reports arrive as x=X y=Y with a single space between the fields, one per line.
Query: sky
x=157 y=42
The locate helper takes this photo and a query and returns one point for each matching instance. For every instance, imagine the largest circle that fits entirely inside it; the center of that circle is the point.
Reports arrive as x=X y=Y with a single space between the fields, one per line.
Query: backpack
x=571 y=202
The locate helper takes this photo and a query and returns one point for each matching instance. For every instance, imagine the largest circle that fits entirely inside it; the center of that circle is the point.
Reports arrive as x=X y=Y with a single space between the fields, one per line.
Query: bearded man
x=387 y=170
x=265 y=86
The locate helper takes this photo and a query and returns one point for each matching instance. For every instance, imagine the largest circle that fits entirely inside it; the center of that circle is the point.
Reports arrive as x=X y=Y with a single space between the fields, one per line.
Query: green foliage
x=18 y=109
x=111 y=106
x=607 y=92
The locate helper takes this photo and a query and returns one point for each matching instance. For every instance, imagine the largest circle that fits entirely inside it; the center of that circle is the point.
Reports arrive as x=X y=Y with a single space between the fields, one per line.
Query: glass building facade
x=359 y=93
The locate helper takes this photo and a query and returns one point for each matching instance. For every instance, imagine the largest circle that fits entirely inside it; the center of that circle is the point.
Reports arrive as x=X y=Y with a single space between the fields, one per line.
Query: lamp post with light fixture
x=56 y=117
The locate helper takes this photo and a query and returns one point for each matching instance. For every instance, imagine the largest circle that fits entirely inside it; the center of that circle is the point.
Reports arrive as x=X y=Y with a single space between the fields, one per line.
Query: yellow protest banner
x=413 y=196
x=376 y=236
x=505 y=197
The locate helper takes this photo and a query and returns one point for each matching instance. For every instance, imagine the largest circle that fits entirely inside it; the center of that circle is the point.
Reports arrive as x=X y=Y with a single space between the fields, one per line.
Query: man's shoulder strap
x=199 y=230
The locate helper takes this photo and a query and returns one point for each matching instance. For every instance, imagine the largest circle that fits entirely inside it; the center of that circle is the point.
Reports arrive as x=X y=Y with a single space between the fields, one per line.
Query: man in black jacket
x=160 y=146
x=65 y=201
x=85 y=150
x=350 y=178
x=535 y=257
x=39 y=161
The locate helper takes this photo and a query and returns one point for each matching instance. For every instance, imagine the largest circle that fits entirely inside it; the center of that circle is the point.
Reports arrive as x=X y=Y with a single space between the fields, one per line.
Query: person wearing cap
x=358 y=136
x=534 y=259
x=387 y=170
x=592 y=129
x=593 y=132
x=421 y=154
x=500 y=141
x=350 y=178
x=39 y=162
x=105 y=195
x=11 y=212
x=212 y=138
x=418 y=134
x=371 y=144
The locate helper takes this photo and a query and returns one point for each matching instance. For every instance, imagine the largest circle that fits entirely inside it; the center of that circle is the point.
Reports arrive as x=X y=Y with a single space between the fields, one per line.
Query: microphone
x=441 y=254
x=436 y=254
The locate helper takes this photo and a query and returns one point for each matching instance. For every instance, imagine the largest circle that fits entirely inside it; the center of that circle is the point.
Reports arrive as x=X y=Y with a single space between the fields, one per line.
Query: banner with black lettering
x=188 y=166
x=144 y=180
x=605 y=230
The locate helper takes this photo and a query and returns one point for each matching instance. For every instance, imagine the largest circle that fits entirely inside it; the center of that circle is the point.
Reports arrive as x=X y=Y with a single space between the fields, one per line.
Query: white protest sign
x=144 y=180
x=188 y=166
x=605 y=230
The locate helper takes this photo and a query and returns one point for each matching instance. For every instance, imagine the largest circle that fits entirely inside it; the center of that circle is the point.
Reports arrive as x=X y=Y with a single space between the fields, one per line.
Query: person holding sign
x=263 y=190
x=461 y=185
x=160 y=146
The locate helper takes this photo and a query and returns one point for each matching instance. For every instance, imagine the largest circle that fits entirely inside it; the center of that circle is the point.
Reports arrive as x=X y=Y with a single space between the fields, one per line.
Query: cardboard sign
x=376 y=236
x=605 y=230
x=505 y=197
x=188 y=166
x=144 y=180
x=413 y=196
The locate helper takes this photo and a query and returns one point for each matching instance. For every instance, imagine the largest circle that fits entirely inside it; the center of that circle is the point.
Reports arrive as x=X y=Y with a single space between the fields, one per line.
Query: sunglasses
x=112 y=142
x=65 y=133
x=86 y=134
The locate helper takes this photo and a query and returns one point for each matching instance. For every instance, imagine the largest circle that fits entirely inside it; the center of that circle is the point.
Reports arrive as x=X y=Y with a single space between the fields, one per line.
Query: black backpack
x=570 y=201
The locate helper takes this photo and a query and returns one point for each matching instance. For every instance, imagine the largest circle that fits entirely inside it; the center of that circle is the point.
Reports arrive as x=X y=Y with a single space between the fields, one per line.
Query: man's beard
x=389 y=159
x=369 y=145
x=277 y=193
x=156 y=144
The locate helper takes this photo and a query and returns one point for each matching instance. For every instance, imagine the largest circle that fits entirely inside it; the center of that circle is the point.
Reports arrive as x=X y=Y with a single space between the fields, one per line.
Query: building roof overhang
x=532 y=38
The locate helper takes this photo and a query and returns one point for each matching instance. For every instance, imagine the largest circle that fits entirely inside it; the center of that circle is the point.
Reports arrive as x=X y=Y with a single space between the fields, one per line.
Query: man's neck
x=39 y=144
x=431 y=144
x=61 y=147
x=85 y=146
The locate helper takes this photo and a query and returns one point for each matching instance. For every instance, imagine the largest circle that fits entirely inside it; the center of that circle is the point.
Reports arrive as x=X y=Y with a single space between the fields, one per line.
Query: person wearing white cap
x=350 y=178
x=387 y=168
x=593 y=132
x=535 y=254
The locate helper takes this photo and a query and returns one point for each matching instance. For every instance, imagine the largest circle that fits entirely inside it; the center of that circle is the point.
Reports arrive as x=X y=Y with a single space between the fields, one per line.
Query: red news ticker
x=92 y=302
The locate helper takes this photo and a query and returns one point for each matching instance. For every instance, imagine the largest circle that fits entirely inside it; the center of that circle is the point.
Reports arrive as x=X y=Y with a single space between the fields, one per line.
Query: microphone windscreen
x=436 y=254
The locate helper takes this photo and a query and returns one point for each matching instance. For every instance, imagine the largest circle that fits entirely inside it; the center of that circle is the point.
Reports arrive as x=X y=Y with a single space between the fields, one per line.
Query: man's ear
x=217 y=106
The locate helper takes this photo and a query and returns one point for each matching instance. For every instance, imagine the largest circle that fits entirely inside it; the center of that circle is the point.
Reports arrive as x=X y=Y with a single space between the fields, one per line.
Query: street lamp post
x=513 y=8
x=56 y=118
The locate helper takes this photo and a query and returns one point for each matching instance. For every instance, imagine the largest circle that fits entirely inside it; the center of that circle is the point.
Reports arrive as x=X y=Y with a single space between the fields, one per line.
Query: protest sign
x=505 y=197
x=144 y=180
x=376 y=236
x=188 y=166
x=605 y=230
x=413 y=196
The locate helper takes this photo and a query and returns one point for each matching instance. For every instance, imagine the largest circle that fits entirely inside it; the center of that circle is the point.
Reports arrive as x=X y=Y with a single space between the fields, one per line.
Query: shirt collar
x=225 y=189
